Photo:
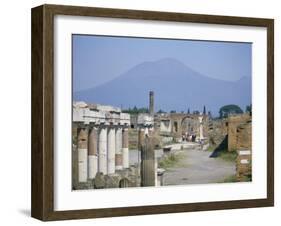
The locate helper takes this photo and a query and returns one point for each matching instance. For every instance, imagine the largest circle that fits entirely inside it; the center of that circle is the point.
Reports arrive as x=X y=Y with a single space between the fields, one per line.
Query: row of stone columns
x=103 y=149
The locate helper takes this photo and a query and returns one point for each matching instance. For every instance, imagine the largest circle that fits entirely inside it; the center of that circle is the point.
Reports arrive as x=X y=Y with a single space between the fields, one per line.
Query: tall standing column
x=151 y=102
x=118 y=154
x=201 y=137
x=103 y=150
x=93 y=158
x=83 y=155
x=125 y=148
x=111 y=151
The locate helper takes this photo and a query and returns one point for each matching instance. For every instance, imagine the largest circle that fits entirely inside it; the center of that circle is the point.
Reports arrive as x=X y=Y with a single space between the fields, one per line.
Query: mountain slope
x=176 y=87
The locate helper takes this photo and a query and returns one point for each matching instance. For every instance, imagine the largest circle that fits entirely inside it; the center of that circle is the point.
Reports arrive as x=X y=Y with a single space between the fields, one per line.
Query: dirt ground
x=196 y=167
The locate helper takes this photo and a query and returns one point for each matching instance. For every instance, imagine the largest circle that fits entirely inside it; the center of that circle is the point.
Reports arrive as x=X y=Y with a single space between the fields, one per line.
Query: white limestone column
x=83 y=155
x=125 y=147
x=201 y=137
x=92 y=157
x=103 y=150
x=118 y=154
x=111 y=151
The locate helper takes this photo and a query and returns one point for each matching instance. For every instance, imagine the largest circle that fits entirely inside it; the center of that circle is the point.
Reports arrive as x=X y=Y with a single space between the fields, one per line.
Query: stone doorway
x=124 y=183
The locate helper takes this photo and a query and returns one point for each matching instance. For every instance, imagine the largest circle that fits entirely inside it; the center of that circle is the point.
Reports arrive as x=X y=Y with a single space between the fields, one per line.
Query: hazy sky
x=98 y=59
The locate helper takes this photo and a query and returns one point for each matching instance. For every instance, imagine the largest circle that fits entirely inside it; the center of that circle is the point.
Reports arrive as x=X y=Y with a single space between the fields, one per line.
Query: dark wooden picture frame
x=42 y=203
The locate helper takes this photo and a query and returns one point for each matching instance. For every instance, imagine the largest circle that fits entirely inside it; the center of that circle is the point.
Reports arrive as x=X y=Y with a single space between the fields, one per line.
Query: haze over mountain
x=175 y=85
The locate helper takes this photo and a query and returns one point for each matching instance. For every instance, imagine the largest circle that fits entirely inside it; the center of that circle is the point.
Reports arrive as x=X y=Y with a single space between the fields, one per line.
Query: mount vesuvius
x=175 y=85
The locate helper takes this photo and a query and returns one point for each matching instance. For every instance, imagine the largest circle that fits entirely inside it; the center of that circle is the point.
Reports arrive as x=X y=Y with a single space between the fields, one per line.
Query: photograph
x=140 y=112
x=160 y=112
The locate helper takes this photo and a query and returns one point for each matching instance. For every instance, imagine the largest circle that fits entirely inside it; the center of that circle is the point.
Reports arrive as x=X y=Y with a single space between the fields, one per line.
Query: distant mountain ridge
x=176 y=87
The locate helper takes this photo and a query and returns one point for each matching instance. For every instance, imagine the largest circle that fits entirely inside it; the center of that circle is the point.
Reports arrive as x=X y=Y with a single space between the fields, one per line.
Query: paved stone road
x=195 y=167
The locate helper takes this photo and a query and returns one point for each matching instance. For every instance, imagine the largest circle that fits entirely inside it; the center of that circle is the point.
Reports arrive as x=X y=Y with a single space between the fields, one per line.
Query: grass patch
x=228 y=155
x=229 y=179
x=233 y=178
x=247 y=178
x=170 y=160
x=211 y=149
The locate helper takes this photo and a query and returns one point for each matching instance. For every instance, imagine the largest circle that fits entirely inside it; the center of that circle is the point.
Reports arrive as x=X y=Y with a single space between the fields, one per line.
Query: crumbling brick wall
x=236 y=136
x=244 y=165
x=244 y=136
x=244 y=151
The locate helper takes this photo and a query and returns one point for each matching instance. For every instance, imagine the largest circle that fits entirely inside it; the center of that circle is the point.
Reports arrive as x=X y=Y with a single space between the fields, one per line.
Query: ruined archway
x=189 y=125
x=124 y=183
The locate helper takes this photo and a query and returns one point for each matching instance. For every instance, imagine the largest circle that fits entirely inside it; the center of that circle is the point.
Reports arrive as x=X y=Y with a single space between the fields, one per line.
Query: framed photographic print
x=142 y=112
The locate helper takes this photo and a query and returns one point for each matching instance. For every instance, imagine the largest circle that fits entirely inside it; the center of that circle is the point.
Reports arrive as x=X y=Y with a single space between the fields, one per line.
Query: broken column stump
x=148 y=169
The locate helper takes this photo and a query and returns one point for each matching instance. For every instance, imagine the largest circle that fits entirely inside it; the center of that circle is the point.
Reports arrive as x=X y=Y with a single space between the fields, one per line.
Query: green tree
x=226 y=110
x=135 y=110
x=161 y=111
x=196 y=112
x=204 y=110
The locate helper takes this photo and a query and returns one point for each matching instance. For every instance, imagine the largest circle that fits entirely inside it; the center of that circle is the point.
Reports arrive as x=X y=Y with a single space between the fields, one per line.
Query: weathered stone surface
x=89 y=184
x=133 y=138
x=131 y=175
x=234 y=123
x=244 y=136
x=244 y=165
x=99 y=180
x=148 y=169
x=217 y=132
x=236 y=128
x=134 y=177
x=112 y=181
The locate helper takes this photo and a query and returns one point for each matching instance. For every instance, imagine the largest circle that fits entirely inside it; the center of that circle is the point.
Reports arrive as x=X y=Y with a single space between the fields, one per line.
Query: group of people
x=192 y=138
x=189 y=137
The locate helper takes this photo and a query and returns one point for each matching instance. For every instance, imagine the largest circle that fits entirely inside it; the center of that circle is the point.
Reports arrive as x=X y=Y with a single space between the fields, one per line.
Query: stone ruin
x=100 y=147
x=234 y=134
x=103 y=135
